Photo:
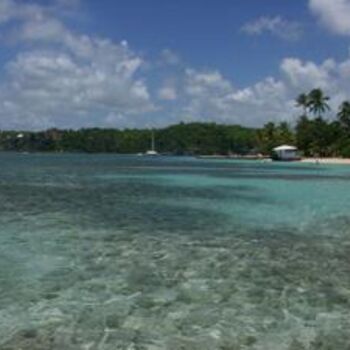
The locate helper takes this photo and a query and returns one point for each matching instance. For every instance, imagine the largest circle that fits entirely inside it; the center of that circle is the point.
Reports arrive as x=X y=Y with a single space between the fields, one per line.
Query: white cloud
x=276 y=26
x=6 y=10
x=167 y=93
x=58 y=87
x=67 y=79
x=332 y=76
x=63 y=78
x=10 y=10
x=210 y=82
x=209 y=96
x=29 y=10
x=212 y=97
x=308 y=74
x=334 y=14
x=169 y=57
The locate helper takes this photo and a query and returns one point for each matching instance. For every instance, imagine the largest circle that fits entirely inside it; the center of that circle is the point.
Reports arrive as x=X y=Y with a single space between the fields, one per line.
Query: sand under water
x=108 y=252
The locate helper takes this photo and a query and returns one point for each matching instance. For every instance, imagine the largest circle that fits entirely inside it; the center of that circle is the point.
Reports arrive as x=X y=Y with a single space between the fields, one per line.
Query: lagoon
x=124 y=252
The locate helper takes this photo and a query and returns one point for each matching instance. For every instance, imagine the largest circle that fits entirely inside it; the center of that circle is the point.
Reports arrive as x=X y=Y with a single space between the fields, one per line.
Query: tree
x=267 y=138
x=318 y=102
x=303 y=101
x=284 y=134
x=344 y=115
x=321 y=138
x=304 y=135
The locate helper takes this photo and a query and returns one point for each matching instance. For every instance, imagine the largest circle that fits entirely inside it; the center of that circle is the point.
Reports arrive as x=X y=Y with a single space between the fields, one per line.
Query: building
x=285 y=152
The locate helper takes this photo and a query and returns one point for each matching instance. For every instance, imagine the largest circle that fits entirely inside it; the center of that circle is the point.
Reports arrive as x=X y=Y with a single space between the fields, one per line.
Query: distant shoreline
x=236 y=157
x=308 y=160
x=326 y=160
x=319 y=160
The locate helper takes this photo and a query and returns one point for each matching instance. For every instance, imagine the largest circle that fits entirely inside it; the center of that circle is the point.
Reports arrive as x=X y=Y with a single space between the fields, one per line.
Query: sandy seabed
x=108 y=253
x=180 y=293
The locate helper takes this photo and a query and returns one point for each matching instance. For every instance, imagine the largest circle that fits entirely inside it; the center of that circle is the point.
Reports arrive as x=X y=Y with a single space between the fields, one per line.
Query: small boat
x=152 y=152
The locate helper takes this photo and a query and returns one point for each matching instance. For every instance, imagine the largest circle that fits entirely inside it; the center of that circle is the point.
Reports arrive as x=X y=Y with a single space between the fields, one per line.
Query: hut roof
x=285 y=148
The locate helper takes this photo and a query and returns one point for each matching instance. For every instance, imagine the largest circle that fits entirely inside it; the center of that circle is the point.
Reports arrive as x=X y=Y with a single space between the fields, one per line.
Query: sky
x=137 y=63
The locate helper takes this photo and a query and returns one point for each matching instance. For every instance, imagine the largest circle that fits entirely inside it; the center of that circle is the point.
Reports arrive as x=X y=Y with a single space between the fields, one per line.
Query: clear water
x=107 y=252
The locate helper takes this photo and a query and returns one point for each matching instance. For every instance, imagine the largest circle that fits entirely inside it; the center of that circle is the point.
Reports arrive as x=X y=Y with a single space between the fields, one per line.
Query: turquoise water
x=112 y=252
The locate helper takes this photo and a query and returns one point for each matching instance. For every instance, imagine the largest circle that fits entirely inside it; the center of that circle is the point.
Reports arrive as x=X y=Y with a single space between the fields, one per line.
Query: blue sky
x=206 y=33
x=136 y=63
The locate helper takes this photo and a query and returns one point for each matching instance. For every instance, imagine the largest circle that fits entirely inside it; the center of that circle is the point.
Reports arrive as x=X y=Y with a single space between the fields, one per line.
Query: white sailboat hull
x=151 y=153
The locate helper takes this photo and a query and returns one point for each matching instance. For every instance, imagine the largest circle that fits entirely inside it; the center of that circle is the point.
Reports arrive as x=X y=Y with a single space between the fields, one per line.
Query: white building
x=285 y=152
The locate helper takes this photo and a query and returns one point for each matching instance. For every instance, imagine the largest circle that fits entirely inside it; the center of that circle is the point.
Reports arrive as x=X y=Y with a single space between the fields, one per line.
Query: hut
x=285 y=152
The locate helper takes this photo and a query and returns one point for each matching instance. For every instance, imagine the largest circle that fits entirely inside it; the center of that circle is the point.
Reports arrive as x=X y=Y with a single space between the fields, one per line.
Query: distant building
x=285 y=152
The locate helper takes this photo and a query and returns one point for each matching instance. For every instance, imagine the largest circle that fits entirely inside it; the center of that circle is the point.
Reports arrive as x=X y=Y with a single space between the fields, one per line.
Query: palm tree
x=303 y=101
x=344 y=114
x=267 y=137
x=318 y=102
x=284 y=134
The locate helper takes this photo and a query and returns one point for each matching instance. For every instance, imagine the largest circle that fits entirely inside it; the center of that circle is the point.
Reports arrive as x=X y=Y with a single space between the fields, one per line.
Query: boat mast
x=152 y=141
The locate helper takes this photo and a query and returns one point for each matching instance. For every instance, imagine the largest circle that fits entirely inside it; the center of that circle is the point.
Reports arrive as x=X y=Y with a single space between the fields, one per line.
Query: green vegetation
x=180 y=139
x=313 y=135
x=320 y=137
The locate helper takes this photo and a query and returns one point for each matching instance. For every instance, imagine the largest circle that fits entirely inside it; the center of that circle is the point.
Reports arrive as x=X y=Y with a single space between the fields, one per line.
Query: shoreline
x=234 y=157
x=309 y=160
x=326 y=160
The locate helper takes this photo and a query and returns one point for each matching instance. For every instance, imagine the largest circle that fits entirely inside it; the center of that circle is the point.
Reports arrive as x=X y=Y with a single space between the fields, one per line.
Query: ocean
x=113 y=252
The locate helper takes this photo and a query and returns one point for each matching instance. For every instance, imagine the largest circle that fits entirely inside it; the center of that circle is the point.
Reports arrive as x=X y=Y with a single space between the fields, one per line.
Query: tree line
x=180 y=139
x=313 y=134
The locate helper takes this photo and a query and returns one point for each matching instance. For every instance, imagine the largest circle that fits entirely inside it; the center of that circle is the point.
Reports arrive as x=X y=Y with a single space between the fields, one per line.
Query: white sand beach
x=326 y=160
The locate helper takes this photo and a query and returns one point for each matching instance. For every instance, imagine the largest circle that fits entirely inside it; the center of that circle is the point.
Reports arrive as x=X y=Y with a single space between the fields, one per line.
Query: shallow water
x=109 y=252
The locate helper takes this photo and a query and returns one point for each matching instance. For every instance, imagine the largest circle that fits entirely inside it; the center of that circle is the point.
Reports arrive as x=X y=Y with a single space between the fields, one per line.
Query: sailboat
x=152 y=151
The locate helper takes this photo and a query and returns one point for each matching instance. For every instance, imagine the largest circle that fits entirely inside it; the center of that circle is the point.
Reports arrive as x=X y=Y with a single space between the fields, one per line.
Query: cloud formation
x=66 y=78
x=169 y=57
x=59 y=77
x=334 y=14
x=167 y=93
x=277 y=26
x=210 y=96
